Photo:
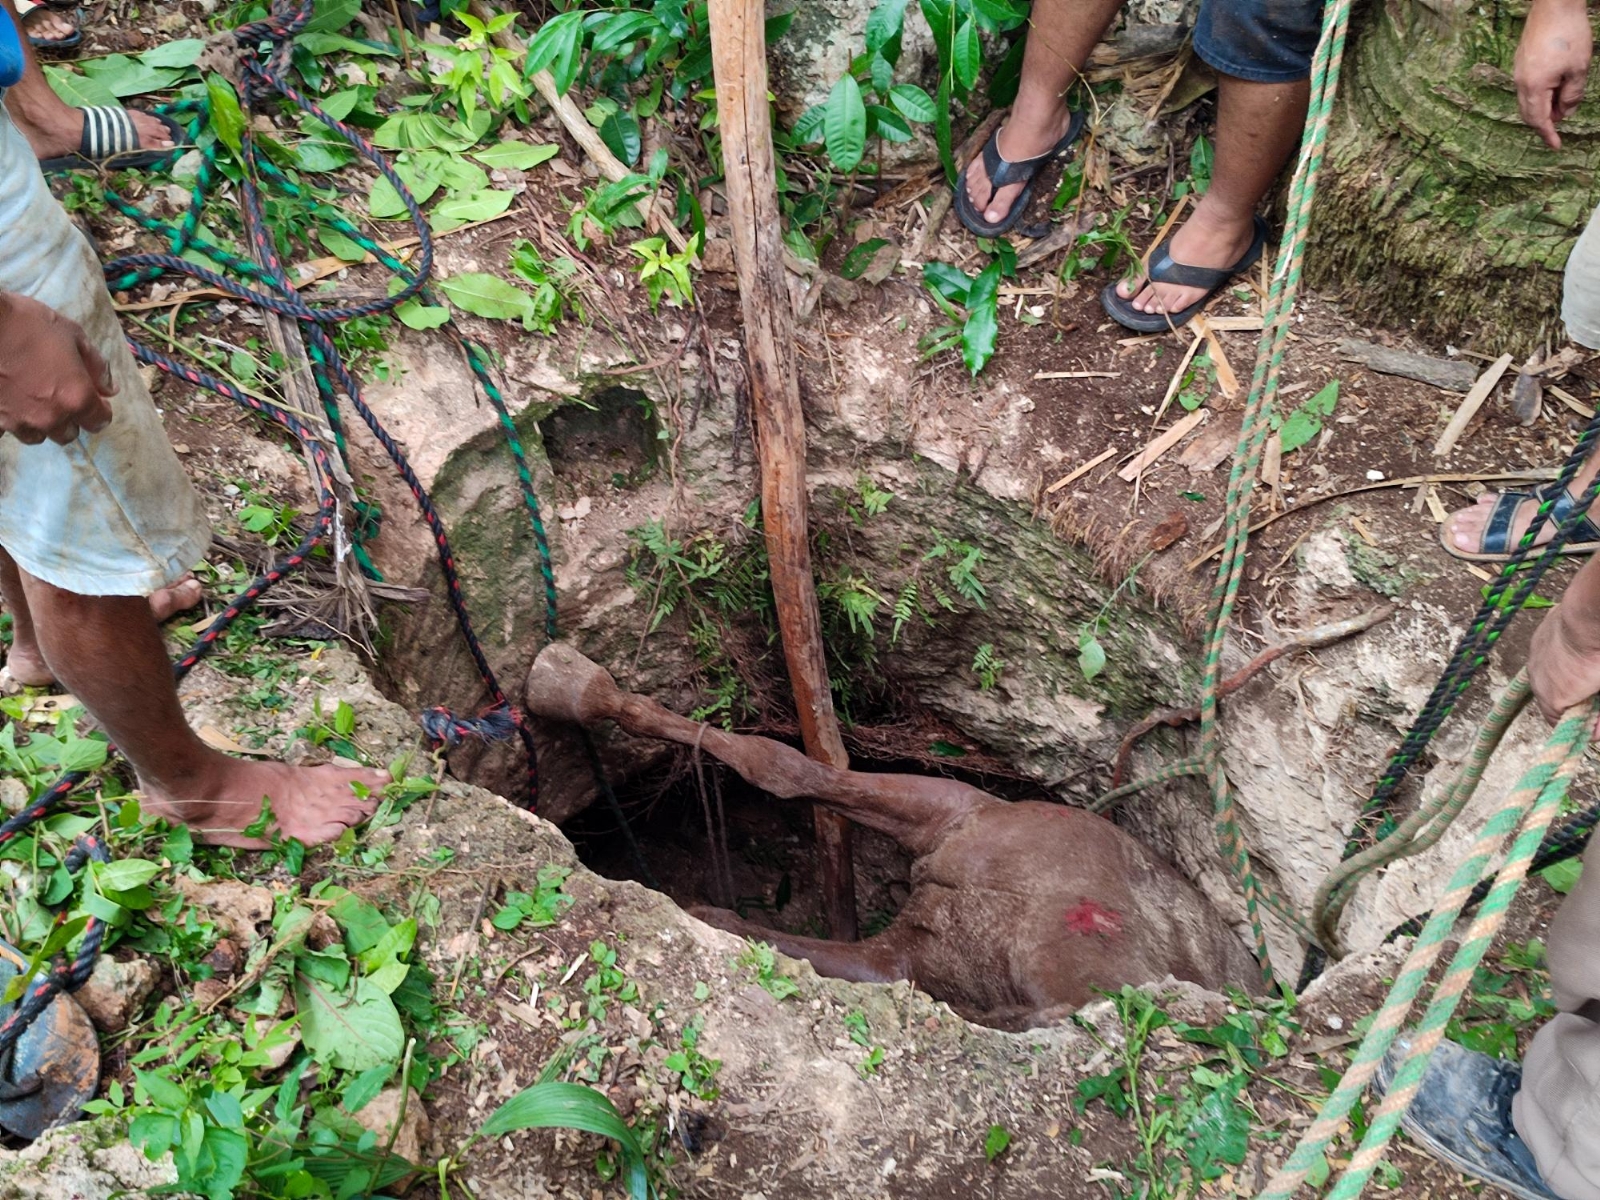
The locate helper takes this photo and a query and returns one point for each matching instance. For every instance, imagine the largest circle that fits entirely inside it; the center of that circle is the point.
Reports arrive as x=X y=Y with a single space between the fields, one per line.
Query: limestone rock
x=380 y=1113
x=116 y=990
x=237 y=908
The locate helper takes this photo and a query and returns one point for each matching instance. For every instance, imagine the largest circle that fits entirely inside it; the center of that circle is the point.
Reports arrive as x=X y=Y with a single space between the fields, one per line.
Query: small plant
x=973 y=306
x=855 y=1025
x=613 y=206
x=538 y=909
x=1091 y=654
x=553 y=300
x=1198 y=382
x=665 y=274
x=987 y=666
x=1305 y=422
x=762 y=960
x=696 y=1073
x=996 y=1142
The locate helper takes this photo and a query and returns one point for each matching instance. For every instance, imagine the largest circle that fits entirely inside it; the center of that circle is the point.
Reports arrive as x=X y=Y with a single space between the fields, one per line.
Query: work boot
x=1462 y=1116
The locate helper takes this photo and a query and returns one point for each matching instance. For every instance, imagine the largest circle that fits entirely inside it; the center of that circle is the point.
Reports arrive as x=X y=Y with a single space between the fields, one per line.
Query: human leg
x=107 y=651
x=1061 y=33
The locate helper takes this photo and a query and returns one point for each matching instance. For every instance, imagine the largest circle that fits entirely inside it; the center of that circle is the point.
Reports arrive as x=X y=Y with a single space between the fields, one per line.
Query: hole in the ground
x=609 y=438
x=771 y=862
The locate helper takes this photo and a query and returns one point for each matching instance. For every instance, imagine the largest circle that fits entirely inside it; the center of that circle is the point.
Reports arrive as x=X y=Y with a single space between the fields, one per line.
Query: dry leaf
x=1172 y=529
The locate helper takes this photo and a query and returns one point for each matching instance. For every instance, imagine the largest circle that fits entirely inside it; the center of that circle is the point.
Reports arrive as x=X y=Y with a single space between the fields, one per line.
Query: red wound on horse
x=1087 y=917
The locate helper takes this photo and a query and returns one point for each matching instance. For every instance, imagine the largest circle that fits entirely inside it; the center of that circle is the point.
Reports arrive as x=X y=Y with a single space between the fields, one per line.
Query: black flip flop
x=110 y=142
x=1002 y=172
x=1496 y=544
x=1163 y=269
x=56 y=45
x=53 y=1070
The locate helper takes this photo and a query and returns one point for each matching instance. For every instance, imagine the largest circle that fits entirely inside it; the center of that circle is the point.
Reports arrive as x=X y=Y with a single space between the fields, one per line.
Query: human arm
x=53 y=382
x=1564 y=660
x=1552 y=64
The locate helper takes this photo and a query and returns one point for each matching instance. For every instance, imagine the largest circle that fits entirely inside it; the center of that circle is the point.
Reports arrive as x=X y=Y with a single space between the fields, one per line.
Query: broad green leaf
x=1563 y=876
x=125 y=874
x=162 y=1091
x=78 y=90
x=227 y=118
x=890 y=125
x=860 y=258
x=995 y=1142
x=124 y=76
x=321 y=157
x=414 y=314
x=519 y=156
x=330 y=16
x=487 y=296
x=322 y=44
x=1091 y=657
x=621 y=27
x=620 y=133
x=1300 y=426
x=884 y=23
x=966 y=55
x=350 y=1033
x=950 y=282
x=385 y=204
x=454 y=211
x=361 y=922
x=340 y=246
x=83 y=754
x=184 y=52
x=844 y=124
x=571 y=1106
x=218 y=1164
x=914 y=103
x=394 y=944
x=1218 y=1135
x=982 y=329
x=424 y=131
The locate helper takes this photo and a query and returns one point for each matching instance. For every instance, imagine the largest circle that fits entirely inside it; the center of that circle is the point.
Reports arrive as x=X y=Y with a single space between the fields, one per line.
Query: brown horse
x=1016 y=908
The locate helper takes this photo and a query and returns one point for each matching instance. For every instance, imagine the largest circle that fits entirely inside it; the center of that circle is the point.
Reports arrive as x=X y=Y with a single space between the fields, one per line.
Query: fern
x=906 y=605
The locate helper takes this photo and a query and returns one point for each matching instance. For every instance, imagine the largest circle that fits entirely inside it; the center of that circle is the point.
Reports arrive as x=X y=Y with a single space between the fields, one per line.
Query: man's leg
x=52 y=126
x=1258 y=127
x=1061 y=33
x=24 y=660
x=107 y=651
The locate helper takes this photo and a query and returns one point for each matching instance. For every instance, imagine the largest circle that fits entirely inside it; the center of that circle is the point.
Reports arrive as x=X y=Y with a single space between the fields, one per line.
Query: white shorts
x=112 y=513
x=1580 y=300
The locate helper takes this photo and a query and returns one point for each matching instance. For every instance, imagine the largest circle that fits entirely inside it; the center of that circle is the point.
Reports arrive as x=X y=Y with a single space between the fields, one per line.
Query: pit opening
x=607 y=438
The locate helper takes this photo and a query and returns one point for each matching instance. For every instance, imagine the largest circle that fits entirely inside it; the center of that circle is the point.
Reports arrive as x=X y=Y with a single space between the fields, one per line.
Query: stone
x=237 y=908
x=380 y=1114
x=116 y=990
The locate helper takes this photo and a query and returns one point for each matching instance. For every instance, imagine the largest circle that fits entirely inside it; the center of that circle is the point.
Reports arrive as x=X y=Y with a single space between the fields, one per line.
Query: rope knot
x=445 y=728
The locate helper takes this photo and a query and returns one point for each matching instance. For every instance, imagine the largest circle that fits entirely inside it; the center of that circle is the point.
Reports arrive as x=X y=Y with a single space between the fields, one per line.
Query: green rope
x=1532 y=805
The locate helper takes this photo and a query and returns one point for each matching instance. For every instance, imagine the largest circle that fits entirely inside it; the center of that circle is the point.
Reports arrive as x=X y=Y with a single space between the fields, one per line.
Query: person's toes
x=180 y=597
x=153 y=132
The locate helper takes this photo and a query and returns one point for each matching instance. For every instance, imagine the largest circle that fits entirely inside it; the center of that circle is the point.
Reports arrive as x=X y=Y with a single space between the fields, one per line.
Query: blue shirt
x=11 y=60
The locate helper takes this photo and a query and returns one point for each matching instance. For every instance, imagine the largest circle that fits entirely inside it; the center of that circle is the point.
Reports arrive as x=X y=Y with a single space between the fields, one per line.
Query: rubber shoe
x=1462 y=1116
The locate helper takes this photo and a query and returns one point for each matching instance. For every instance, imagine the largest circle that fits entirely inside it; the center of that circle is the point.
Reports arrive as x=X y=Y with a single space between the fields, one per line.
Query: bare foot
x=27 y=665
x=1023 y=136
x=311 y=804
x=1205 y=240
x=1465 y=527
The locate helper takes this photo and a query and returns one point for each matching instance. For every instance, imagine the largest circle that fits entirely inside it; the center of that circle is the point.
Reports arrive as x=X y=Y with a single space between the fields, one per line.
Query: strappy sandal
x=72 y=41
x=1497 y=544
x=1163 y=269
x=110 y=141
x=54 y=1068
x=1002 y=173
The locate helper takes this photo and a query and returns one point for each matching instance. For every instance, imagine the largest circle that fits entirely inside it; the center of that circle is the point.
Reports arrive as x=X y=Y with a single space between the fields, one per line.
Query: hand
x=1552 y=64
x=1564 y=661
x=53 y=382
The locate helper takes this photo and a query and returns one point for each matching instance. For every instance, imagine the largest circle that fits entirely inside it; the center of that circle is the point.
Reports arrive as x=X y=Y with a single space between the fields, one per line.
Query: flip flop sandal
x=1002 y=172
x=110 y=141
x=54 y=1069
x=1496 y=544
x=1163 y=269
x=54 y=45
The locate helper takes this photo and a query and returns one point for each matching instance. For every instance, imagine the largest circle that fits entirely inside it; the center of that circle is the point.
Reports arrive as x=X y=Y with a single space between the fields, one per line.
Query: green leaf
x=885 y=23
x=914 y=103
x=78 y=90
x=860 y=258
x=571 y=1106
x=982 y=329
x=487 y=296
x=162 y=1091
x=218 y=1165
x=890 y=125
x=464 y=210
x=1200 y=158
x=227 y=118
x=620 y=133
x=125 y=874
x=808 y=128
x=1218 y=1135
x=966 y=55
x=352 y=1034
x=361 y=922
x=322 y=44
x=946 y=749
x=995 y=1142
x=340 y=246
x=1300 y=426
x=954 y=284
x=844 y=124
x=519 y=156
x=1091 y=656
x=330 y=16
x=1563 y=876
x=184 y=52
x=414 y=314
x=124 y=76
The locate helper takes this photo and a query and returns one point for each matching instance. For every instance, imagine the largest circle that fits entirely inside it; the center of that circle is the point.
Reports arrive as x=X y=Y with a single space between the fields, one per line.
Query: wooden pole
x=739 y=62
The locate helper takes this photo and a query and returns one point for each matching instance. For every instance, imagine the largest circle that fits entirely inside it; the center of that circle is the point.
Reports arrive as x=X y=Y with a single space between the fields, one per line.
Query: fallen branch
x=1074 y=476
x=1312 y=639
x=1436 y=372
x=1537 y=475
x=1148 y=457
x=1470 y=404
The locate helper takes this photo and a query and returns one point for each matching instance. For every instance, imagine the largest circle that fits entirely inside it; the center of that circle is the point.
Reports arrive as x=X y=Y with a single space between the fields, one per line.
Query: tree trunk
x=1439 y=209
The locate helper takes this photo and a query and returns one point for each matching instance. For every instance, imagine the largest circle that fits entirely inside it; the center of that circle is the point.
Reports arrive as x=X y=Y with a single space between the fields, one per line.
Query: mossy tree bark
x=1439 y=209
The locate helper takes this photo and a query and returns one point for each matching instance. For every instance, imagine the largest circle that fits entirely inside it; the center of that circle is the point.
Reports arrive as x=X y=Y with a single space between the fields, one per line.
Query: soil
x=752 y=1142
